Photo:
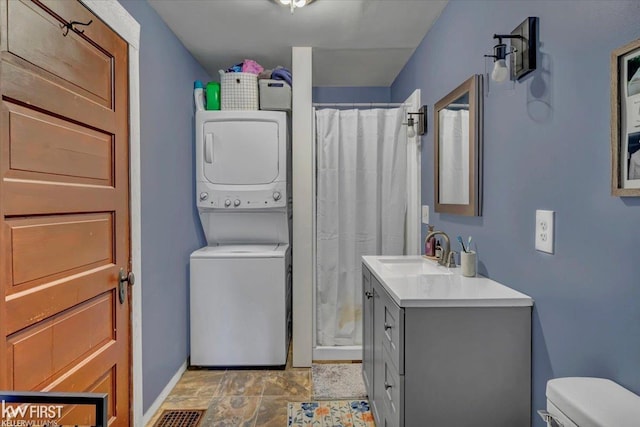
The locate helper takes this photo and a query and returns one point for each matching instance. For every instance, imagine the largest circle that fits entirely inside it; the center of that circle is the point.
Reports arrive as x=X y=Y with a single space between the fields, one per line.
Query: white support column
x=302 y=126
x=413 y=245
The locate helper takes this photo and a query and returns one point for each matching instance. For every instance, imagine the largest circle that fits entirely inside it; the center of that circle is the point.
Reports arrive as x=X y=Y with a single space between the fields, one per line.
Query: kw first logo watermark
x=29 y=415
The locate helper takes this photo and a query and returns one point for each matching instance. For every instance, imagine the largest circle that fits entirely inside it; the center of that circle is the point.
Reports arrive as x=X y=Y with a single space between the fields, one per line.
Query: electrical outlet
x=544 y=231
x=425 y=214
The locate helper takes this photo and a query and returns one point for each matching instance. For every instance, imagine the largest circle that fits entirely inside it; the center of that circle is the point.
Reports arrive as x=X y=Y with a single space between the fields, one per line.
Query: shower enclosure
x=361 y=187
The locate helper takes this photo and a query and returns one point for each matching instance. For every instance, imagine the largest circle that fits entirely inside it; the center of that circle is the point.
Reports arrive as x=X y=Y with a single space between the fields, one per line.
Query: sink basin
x=415 y=281
x=413 y=266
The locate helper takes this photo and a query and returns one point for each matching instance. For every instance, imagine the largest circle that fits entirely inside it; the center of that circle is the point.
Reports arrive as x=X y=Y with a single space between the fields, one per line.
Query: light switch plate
x=544 y=231
x=425 y=214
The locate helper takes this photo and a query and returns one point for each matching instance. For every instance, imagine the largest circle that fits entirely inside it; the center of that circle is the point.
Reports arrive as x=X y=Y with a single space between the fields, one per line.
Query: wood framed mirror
x=458 y=150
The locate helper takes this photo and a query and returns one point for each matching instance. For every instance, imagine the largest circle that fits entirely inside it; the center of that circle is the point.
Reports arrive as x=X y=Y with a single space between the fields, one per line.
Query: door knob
x=368 y=294
x=124 y=278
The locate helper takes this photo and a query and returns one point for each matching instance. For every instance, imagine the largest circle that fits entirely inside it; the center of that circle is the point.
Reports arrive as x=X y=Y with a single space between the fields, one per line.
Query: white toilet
x=590 y=402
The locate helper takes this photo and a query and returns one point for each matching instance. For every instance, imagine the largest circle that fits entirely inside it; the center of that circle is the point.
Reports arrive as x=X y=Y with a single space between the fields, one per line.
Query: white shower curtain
x=361 y=207
x=454 y=127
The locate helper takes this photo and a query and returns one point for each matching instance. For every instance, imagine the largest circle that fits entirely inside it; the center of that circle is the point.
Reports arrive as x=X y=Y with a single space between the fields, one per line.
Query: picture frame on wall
x=625 y=120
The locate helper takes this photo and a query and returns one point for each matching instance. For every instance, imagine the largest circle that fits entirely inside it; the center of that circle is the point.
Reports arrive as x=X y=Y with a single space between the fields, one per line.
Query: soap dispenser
x=430 y=243
x=438 y=249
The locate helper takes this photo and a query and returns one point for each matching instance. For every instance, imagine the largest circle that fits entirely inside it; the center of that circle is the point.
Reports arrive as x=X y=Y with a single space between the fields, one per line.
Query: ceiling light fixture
x=294 y=4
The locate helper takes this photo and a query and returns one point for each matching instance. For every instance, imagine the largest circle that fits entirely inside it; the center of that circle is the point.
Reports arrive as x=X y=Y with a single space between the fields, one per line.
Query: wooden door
x=64 y=203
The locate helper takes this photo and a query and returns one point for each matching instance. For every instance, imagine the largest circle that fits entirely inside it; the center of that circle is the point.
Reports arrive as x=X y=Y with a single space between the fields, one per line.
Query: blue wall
x=351 y=94
x=546 y=146
x=170 y=226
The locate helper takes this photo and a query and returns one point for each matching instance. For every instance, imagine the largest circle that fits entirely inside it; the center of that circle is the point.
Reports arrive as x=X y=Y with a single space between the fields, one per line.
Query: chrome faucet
x=447 y=257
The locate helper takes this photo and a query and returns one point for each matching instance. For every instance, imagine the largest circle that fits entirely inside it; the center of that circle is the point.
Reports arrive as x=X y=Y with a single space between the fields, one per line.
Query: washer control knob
x=236 y=202
x=204 y=196
x=227 y=203
x=276 y=195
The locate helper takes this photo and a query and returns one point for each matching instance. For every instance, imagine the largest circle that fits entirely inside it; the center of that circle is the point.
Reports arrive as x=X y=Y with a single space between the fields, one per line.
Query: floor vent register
x=180 y=418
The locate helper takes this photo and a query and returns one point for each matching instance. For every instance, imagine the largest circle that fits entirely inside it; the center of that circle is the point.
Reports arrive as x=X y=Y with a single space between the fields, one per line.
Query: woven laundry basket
x=238 y=91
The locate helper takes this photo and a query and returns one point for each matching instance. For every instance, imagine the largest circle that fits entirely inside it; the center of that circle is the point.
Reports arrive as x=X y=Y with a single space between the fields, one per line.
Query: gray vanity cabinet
x=367 y=329
x=445 y=366
x=383 y=332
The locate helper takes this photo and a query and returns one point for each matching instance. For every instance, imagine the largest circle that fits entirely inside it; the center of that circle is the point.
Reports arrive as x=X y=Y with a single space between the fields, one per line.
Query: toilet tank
x=590 y=402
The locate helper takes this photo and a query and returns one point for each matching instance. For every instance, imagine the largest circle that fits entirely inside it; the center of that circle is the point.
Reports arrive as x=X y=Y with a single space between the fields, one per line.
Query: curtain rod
x=362 y=104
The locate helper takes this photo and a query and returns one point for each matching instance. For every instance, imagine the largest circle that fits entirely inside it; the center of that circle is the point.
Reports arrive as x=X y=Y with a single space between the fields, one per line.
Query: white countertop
x=414 y=281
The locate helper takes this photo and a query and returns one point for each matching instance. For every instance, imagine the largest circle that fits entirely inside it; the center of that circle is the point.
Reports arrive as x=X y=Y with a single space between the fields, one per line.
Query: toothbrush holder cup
x=468 y=263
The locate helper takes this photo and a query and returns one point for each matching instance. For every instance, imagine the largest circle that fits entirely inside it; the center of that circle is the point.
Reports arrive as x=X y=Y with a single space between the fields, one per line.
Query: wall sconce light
x=422 y=122
x=523 y=49
x=294 y=4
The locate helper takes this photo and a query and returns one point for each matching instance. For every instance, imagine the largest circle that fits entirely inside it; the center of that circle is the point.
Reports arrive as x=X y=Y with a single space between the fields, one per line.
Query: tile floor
x=248 y=398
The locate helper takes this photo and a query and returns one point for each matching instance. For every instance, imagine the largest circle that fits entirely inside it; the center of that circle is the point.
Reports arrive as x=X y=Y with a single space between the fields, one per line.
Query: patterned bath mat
x=330 y=413
x=337 y=381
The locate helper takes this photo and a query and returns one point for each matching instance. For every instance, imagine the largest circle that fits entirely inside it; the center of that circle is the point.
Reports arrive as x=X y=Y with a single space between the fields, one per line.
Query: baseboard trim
x=163 y=395
x=344 y=353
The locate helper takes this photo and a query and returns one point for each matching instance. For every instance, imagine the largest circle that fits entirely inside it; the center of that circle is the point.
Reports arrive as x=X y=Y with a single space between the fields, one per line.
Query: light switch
x=425 y=214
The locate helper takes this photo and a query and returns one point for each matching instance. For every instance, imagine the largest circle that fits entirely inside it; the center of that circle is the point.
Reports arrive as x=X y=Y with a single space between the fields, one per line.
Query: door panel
x=48 y=92
x=53 y=296
x=98 y=33
x=64 y=205
x=44 y=144
x=75 y=60
x=42 y=197
x=73 y=336
x=48 y=246
x=85 y=378
x=86 y=414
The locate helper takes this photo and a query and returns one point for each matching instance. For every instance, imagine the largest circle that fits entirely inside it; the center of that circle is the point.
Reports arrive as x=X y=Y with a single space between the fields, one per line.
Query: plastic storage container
x=213 y=96
x=275 y=95
x=198 y=95
x=239 y=91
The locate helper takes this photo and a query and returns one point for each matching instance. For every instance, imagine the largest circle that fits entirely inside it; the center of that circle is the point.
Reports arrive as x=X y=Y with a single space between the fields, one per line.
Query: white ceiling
x=356 y=42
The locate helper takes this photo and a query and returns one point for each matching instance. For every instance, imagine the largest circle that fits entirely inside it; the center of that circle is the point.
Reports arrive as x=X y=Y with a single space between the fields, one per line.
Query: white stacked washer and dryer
x=240 y=288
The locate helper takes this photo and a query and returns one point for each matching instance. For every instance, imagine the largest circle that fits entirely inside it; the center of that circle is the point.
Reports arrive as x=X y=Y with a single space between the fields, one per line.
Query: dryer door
x=241 y=152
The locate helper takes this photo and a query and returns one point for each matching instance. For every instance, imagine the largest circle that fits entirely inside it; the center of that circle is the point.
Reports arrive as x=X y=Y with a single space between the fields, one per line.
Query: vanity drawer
x=392 y=396
x=393 y=334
